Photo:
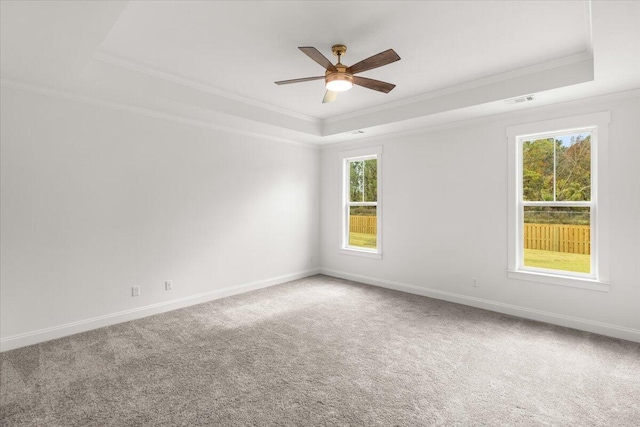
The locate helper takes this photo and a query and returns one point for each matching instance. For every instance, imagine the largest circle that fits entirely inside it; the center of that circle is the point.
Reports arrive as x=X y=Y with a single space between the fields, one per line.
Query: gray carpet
x=324 y=351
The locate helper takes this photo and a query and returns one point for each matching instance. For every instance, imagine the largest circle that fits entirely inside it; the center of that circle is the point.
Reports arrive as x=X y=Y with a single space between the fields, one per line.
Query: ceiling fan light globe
x=339 y=85
x=339 y=82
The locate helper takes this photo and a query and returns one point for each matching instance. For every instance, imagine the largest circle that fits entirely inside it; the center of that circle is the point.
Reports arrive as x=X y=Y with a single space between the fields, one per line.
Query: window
x=555 y=228
x=556 y=204
x=361 y=202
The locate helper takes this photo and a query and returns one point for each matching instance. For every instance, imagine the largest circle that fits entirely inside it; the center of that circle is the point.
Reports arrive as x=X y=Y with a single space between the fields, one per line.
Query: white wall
x=445 y=215
x=96 y=200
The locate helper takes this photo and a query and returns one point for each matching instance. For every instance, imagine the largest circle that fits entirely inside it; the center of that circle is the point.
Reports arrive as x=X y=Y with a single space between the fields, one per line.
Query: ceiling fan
x=340 y=78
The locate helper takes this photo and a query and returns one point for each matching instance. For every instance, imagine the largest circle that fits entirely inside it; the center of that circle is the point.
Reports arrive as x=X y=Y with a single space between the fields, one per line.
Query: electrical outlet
x=474 y=282
x=135 y=291
x=168 y=285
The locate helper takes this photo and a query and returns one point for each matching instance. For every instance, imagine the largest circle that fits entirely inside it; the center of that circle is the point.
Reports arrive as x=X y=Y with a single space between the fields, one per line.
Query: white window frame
x=597 y=124
x=345 y=158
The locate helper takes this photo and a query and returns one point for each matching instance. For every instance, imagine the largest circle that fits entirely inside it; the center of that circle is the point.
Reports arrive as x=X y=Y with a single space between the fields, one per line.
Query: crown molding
x=495 y=78
x=355 y=139
x=133 y=66
x=90 y=100
x=490 y=118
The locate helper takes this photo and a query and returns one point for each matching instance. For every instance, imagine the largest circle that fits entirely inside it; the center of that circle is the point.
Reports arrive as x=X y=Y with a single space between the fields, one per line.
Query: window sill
x=552 y=279
x=361 y=253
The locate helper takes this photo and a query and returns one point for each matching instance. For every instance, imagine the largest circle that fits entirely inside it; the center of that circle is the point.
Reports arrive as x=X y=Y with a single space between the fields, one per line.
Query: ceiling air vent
x=519 y=100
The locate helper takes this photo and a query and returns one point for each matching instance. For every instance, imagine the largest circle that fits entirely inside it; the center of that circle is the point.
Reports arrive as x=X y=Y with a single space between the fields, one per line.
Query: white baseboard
x=41 y=335
x=513 y=310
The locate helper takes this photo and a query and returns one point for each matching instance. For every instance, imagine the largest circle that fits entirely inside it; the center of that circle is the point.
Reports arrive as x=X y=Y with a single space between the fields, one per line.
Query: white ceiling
x=243 y=48
x=215 y=62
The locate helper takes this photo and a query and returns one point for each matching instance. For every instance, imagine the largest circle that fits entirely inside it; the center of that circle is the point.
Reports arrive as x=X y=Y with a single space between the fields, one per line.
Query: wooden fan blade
x=314 y=54
x=373 y=84
x=305 y=79
x=329 y=96
x=375 y=61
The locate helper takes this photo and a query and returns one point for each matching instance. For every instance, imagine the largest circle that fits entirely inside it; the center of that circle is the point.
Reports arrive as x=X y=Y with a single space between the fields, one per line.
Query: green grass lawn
x=362 y=240
x=557 y=260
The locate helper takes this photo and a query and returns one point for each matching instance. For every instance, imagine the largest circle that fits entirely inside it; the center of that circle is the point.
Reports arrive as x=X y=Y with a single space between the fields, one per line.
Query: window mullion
x=561 y=204
x=362 y=203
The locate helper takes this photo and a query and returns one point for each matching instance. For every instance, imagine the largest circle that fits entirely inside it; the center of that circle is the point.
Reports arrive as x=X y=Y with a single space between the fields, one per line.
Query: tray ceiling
x=243 y=47
x=214 y=63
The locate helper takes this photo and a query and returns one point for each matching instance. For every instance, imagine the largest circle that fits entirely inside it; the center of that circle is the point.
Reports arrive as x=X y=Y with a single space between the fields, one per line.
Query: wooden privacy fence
x=363 y=224
x=573 y=239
